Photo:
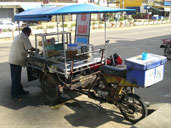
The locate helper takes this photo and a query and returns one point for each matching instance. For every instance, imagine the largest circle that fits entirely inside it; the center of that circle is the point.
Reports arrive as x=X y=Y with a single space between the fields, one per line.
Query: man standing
x=18 y=53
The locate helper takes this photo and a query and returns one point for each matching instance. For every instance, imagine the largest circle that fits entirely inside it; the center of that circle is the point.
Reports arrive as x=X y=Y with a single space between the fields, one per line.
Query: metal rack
x=60 y=64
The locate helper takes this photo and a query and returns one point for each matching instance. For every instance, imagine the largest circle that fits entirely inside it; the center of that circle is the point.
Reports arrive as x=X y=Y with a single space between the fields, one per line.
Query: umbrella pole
x=105 y=38
x=63 y=40
x=57 y=28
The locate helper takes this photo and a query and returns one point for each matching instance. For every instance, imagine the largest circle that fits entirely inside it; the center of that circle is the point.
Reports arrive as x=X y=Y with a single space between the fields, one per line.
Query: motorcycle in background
x=167 y=47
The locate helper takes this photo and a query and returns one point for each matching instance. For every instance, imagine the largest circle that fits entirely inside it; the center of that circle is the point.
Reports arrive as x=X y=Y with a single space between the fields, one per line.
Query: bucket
x=144 y=56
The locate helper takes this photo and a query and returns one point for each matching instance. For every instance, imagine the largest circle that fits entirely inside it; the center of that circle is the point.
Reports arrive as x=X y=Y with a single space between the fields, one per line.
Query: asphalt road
x=132 y=42
x=77 y=110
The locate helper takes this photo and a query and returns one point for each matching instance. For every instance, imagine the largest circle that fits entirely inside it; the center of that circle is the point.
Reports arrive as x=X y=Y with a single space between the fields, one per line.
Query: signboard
x=131 y=3
x=82 y=28
x=166 y=3
x=147 y=7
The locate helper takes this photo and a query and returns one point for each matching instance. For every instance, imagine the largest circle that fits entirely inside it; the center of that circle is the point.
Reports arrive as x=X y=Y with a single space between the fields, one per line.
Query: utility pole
x=170 y=11
x=123 y=4
x=147 y=10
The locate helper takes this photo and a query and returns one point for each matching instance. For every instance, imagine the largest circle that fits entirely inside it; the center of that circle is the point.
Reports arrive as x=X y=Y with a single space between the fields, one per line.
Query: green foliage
x=121 y=19
x=167 y=18
x=73 y=25
x=101 y=22
x=94 y=23
x=39 y=27
x=65 y=25
x=112 y=20
x=50 y=26
x=6 y=30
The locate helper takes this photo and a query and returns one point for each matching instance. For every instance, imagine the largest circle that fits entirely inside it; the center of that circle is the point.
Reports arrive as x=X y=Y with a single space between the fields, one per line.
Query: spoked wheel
x=50 y=87
x=133 y=108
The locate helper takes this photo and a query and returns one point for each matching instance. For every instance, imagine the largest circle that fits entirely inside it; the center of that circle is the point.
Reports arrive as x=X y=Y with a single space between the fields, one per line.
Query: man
x=18 y=53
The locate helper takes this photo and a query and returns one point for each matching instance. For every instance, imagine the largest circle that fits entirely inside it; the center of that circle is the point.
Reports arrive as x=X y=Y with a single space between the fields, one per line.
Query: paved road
x=81 y=111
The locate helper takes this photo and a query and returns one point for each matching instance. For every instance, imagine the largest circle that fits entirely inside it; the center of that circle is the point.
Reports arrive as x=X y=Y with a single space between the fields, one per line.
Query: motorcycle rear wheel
x=50 y=88
x=133 y=108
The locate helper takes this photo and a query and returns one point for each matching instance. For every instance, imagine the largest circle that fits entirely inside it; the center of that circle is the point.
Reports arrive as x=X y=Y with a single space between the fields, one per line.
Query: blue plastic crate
x=145 y=73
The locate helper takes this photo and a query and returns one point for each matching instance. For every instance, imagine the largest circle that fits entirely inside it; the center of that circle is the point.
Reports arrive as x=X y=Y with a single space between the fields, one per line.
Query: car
x=8 y=25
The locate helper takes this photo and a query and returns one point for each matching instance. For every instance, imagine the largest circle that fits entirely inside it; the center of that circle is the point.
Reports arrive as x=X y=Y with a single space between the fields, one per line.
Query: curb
x=161 y=118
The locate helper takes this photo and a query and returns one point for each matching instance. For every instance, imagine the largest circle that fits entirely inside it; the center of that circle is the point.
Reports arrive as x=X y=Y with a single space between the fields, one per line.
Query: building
x=157 y=7
x=153 y=7
x=8 y=8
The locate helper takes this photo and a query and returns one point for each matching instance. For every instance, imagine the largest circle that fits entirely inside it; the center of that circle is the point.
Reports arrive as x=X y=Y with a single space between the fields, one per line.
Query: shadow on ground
x=89 y=114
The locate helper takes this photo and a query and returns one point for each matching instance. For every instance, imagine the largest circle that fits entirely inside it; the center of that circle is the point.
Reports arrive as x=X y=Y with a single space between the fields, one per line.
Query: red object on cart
x=166 y=41
x=118 y=61
x=95 y=67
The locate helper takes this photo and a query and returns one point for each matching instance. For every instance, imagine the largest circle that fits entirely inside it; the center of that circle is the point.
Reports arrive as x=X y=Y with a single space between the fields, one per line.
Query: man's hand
x=33 y=50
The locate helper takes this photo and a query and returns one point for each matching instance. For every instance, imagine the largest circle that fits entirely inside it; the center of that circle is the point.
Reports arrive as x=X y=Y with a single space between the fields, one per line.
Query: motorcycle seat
x=115 y=71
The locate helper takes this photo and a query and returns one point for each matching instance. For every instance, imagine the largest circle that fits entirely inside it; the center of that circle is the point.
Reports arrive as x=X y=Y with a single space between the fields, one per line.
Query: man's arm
x=27 y=44
x=31 y=50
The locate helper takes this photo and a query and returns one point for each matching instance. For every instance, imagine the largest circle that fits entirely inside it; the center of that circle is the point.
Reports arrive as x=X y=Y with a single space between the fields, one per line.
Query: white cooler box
x=145 y=73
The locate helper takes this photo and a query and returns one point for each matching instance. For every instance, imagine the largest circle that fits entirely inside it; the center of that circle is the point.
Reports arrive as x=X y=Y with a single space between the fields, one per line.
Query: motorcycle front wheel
x=167 y=52
x=133 y=108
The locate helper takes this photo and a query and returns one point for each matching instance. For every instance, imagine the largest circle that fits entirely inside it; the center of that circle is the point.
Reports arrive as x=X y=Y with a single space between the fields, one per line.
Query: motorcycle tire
x=133 y=108
x=50 y=88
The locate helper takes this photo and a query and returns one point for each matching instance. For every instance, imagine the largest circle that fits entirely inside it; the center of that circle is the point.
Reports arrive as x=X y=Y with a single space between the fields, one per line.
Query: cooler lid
x=152 y=61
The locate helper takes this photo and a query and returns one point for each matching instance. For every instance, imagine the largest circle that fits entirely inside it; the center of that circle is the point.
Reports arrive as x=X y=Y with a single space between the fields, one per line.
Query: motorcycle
x=111 y=86
x=167 y=47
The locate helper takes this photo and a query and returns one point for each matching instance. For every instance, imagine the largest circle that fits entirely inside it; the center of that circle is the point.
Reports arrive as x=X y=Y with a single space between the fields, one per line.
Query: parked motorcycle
x=111 y=86
x=167 y=47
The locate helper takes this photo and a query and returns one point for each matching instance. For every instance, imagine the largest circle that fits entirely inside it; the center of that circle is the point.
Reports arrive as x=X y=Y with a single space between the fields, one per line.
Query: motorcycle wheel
x=50 y=88
x=133 y=108
x=167 y=52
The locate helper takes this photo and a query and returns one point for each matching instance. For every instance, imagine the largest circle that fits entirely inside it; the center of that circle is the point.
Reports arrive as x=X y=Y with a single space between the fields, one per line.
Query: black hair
x=26 y=30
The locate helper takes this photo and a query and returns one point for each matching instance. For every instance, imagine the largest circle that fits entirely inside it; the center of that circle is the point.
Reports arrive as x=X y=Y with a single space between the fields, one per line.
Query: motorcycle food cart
x=62 y=63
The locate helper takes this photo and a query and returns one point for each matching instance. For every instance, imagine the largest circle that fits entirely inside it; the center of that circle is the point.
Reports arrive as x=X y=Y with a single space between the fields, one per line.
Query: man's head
x=27 y=31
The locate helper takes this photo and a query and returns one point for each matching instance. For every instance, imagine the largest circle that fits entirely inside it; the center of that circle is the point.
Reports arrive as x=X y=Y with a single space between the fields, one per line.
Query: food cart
x=76 y=65
x=61 y=62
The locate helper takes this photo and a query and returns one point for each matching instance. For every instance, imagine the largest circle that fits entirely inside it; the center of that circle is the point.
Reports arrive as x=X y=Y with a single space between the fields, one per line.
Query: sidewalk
x=161 y=118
